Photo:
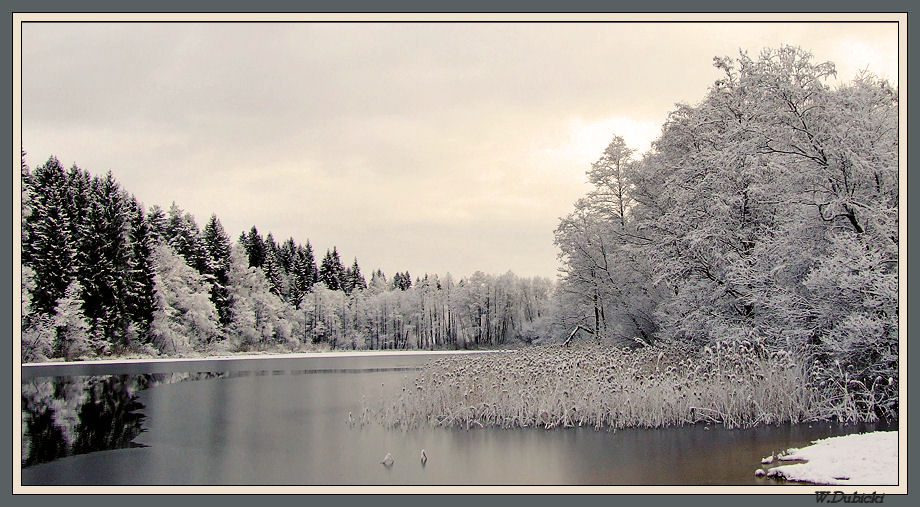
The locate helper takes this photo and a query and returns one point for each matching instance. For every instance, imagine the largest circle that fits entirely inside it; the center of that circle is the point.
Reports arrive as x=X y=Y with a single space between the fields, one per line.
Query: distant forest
x=102 y=275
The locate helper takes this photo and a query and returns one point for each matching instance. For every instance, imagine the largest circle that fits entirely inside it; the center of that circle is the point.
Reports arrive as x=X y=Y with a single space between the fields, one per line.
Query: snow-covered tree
x=183 y=234
x=157 y=222
x=73 y=337
x=141 y=290
x=274 y=268
x=257 y=315
x=217 y=244
x=767 y=211
x=50 y=250
x=185 y=318
x=37 y=331
x=331 y=271
x=255 y=247
x=353 y=279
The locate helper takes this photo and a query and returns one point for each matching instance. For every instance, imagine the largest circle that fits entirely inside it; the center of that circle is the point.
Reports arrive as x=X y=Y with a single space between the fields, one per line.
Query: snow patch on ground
x=300 y=355
x=860 y=459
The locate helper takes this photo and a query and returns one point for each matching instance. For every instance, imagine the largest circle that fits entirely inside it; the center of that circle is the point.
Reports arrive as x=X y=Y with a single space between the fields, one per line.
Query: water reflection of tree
x=46 y=440
x=63 y=416
x=109 y=419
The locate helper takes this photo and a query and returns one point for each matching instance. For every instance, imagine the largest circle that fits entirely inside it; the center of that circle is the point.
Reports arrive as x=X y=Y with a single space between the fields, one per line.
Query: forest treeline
x=766 y=212
x=102 y=275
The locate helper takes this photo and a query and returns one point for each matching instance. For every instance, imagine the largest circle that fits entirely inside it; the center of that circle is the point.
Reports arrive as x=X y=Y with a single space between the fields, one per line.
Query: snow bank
x=861 y=459
x=298 y=355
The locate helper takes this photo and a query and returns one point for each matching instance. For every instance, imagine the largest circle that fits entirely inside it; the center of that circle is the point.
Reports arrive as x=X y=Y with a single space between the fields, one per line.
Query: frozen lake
x=283 y=422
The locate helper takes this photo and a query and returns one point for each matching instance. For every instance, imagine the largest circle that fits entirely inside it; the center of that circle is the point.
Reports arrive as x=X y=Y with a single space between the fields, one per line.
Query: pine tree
x=79 y=198
x=156 y=218
x=331 y=271
x=105 y=296
x=274 y=272
x=185 y=237
x=402 y=281
x=307 y=267
x=25 y=178
x=255 y=248
x=355 y=280
x=347 y=281
x=287 y=254
x=303 y=274
x=218 y=247
x=49 y=250
x=141 y=288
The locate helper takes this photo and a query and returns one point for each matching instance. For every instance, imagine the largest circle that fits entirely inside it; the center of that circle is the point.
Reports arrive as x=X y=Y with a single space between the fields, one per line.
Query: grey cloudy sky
x=420 y=147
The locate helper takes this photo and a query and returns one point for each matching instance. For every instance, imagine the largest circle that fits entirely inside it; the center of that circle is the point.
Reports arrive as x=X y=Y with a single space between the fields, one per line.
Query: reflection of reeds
x=737 y=384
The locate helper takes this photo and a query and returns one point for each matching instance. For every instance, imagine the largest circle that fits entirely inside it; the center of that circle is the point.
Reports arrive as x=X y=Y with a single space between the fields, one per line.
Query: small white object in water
x=387 y=460
x=424 y=457
x=759 y=472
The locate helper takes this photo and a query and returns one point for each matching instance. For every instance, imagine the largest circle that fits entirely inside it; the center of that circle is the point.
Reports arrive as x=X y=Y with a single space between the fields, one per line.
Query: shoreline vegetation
x=738 y=384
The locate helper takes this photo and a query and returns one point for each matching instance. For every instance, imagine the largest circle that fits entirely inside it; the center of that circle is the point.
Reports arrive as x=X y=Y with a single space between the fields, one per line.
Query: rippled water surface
x=283 y=422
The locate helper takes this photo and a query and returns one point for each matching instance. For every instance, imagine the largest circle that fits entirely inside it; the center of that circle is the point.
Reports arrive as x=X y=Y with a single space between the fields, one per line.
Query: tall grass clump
x=734 y=383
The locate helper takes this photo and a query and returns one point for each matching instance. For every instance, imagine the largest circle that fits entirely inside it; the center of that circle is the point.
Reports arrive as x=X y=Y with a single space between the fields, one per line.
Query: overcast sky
x=420 y=147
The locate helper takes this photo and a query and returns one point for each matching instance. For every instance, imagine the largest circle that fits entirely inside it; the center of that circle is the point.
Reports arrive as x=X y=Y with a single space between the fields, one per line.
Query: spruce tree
x=217 y=244
x=79 y=198
x=156 y=218
x=355 y=280
x=331 y=271
x=49 y=250
x=25 y=178
x=402 y=281
x=303 y=274
x=308 y=267
x=255 y=248
x=141 y=286
x=287 y=254
x=105 y=289
x=186 y=239
x=274 y=273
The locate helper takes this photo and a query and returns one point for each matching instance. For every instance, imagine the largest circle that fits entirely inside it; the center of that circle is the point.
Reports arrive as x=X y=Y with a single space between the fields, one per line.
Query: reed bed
x=736 y=384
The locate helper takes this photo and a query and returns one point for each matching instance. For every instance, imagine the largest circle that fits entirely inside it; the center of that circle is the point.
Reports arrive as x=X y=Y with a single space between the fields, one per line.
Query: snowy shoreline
x=298 y=355
x=857 y=459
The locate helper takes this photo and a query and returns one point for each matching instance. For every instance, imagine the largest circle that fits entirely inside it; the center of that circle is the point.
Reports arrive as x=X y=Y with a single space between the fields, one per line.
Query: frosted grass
x=736 y=384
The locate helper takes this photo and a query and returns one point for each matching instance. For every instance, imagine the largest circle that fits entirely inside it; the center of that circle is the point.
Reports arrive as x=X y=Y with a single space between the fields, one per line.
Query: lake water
x=283 y=422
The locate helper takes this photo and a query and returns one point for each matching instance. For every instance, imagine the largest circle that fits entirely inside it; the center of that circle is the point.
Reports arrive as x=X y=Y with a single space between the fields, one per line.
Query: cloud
x=440 y=147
